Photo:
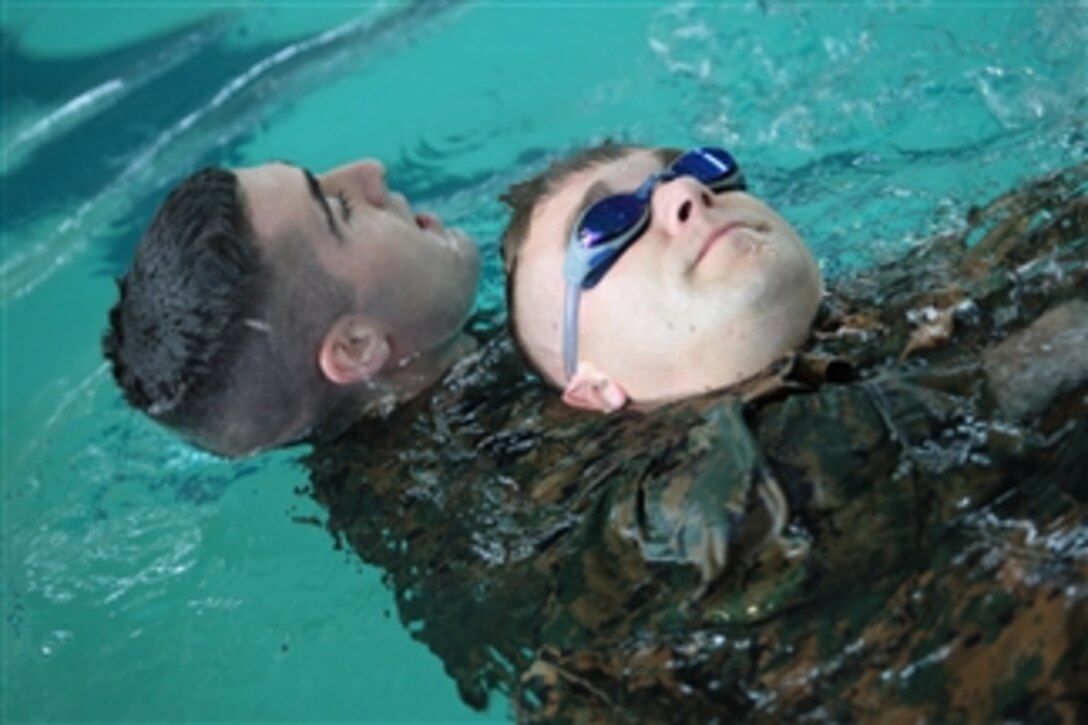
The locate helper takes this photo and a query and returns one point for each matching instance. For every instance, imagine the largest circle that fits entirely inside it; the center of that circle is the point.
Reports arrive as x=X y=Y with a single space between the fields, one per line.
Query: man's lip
x=717 y=235
x=426 y=221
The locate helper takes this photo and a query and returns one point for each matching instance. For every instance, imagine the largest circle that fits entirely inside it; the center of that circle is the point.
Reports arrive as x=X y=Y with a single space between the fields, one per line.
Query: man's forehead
x=276 y=198
x=268 y=175
x=634 y=163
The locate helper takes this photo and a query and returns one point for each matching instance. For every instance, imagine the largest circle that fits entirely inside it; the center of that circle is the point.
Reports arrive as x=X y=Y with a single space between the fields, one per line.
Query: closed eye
x=346 y=207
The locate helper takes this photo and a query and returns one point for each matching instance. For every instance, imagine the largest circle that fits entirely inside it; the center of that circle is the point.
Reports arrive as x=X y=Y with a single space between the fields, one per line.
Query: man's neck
x=411 y=375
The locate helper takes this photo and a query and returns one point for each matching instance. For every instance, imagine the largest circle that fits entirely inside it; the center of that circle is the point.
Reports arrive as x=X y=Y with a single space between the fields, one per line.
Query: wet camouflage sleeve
x=890 y=525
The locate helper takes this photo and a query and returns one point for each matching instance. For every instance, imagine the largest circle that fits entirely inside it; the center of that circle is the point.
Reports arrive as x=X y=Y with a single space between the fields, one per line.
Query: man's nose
x=679 y=203
x=365 y=177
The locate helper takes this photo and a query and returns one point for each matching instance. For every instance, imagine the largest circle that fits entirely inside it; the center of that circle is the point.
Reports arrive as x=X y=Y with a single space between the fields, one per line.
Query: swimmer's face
x=716 y=288
x=413 y=280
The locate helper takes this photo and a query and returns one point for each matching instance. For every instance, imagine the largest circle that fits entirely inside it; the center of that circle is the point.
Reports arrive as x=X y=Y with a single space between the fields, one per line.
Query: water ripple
x=75 y=556
x=33 y=131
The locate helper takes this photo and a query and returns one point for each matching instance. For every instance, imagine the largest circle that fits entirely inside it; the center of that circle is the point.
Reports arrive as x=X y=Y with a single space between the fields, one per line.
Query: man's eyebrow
x=595 y=192
x=314 y=187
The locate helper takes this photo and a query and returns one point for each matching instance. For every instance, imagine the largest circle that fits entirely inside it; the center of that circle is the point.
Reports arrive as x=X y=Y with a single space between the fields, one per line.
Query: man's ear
x=352 y=350
x=590 y=389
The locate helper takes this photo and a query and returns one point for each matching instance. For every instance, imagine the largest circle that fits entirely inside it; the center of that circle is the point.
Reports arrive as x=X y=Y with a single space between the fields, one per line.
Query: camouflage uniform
x=889 y=524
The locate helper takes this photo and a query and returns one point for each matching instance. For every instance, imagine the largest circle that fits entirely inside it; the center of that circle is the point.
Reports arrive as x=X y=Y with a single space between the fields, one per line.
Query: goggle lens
x=609 y=218
x=708 y=165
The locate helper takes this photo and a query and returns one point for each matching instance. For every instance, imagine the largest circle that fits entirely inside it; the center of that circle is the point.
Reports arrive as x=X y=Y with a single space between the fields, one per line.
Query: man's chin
x=461 y=243
x=792 y=284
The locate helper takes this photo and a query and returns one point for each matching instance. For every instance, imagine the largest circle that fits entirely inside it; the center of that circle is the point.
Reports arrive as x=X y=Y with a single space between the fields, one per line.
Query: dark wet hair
x=523 y=199
x=190 y=341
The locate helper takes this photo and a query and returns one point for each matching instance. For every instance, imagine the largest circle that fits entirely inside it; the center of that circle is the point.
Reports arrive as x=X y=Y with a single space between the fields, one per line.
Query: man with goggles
x=644 y=276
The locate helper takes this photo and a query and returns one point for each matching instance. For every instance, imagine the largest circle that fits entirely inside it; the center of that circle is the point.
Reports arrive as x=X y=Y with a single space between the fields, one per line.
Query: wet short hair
x=194 y=279
x=524 y=197
x=190 y=341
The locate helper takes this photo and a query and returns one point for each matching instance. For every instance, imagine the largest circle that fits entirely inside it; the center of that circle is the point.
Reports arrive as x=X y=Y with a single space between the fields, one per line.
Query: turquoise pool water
x=143 y=580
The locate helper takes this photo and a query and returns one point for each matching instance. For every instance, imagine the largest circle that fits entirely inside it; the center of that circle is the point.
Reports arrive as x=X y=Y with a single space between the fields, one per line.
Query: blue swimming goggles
x=608 y=227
